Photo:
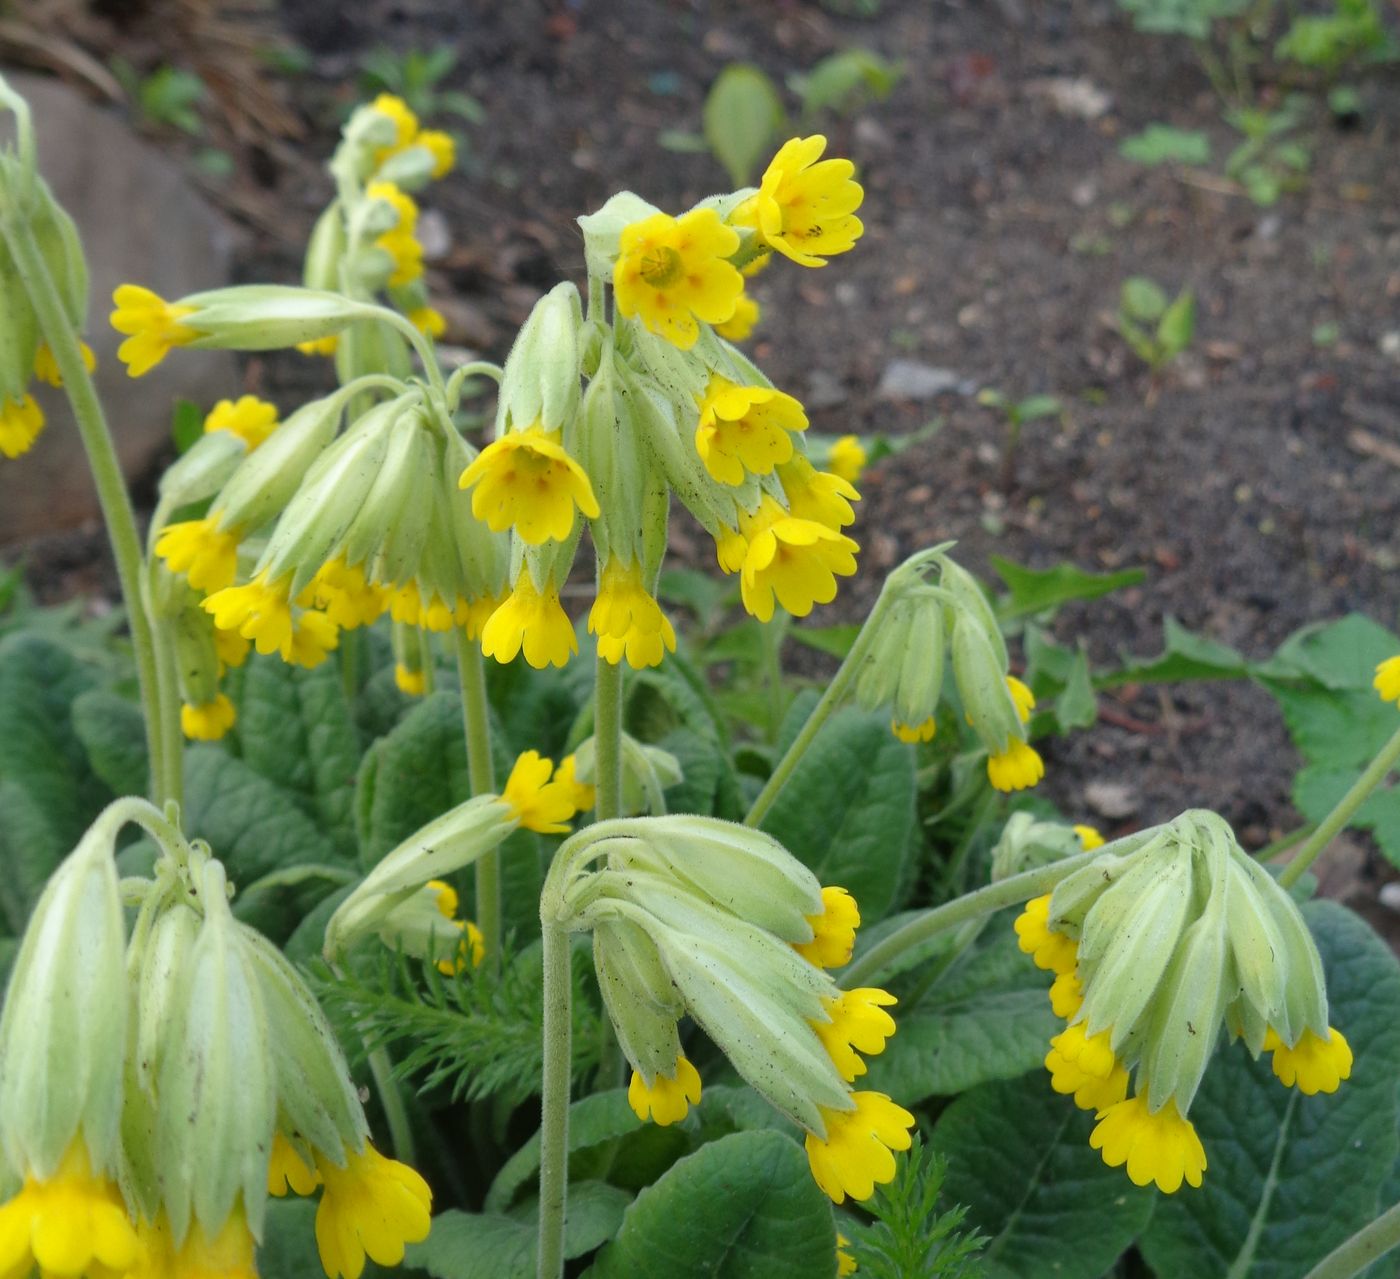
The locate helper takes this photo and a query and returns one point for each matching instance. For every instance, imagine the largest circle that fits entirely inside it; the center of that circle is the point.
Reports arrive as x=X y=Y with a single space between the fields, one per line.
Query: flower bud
x=610 y=449
x=1026 y=844
x=970 y=597
x=602 y=231
x=541 y=378
x=904 y=668
x=203 y=469
x=980 y=673
x=647 y=772
x=372 y=346
x=265 y=317
x=640 y=999
x=326 y=249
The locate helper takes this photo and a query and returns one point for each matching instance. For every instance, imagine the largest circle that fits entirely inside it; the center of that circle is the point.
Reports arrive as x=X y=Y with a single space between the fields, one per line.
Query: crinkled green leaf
x=112 y=730
x=1039 y=590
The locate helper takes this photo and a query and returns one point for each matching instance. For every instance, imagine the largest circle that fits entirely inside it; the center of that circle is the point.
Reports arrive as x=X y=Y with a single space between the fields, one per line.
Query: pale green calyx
x=602 y=231
x=904 y=667
x=647 y=773
x=1026 y=843
x=266 y=317
x=979 y=669
x=540 y=384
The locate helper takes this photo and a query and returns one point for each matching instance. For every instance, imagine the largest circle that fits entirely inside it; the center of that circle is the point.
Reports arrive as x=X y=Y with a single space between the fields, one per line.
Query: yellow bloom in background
x=914 y=733
x=1066 y=996
x=1089 y=838
x=1387 y=681
x=209 y=722
x=1161 y=1147
x=345 y=594
x=314 y=638
x=1050 y=950
x=1313 y=1064
x=627 y=619
x=532 y=621
x=668 y=1099
x=738 y=326
x=259 y=611
x=471 y=949
x=442 y=147
x=231 y=648
x=288 y=1171
x=320 y=346
x=1022 y=696
x=429 y=320
x=855 y=1157
x=1084 y=1066
x=527 y=481
x=410 y=683
x=537 y=803
x=20 y=423
x=206 y=554
x=847 y=458
x=46 y=367
x=68 y=1225
x=730 y=548
x=405 y=124
x=745 y=428
x=805 y=206
x=407 y=605
x=400 y=242
x=796 y=561
x=834 y=930
x=671 y=272
x=1018 y=768
x=582 y=795
x=858 y=1023
x=845 y=1263
x=248 y=417
x=151 y=325
x=372 y=1207
x=821 y=496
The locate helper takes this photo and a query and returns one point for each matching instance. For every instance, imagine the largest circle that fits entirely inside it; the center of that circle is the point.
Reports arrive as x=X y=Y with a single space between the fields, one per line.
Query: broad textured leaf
x=1019 y=1159
x=836 y=641
x=1185 y=656
x=743 y=113
x=112 y=730
x=1338 y=655
x=743 y=1207
x=847 y=811
x=987 y=1018
x=1291 y=1177
x=1038 y=590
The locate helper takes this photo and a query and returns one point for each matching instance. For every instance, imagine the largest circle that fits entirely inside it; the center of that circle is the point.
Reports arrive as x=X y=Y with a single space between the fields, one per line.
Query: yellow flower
x=409 y=606
x=857 y=1021
x=228 y=1255
x=231 y=648
x=209 y=722
x=262 y=612
x=20 y=423
x=151 y=325
x=537 y=803
x=429 y=320
x=1022 y=697
x=405 y=124
x=730 y=548
x=582 y=795
x=472 y=615
x=1018 y=768
x=1313 y=1064
x=847 y=458
x=206 y=554
x=410 y=683
x=1050 y=950
x=821 y=496
x=854 y=1157
x=248 y=417
x=1089 y=838
x=1085 y=1067
x=834 y=930
x=471 y=949
x=442 y=147
x=372 y=1206
x=287 y=1170
x=627 y=619
x=845 y=1263
x=913 y=733
x=400 y=242
x=531 y=620
x=798 y=561
x=805 y=206
x=1163 y=1147
x=738 y=326
x=672 y=271
x=320 y=346
x=314 y=638
x=1066 y=995
x=345 y=594
x=745 y=428
x=69 y=1224
x=46 y=367
x=668 y=1098
x=527 y=481
x=1387 y=681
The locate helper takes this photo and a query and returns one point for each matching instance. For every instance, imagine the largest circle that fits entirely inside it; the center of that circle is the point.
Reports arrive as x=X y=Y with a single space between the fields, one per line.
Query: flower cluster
x=1161 y=944
x=692 y=915
x=156 y=1089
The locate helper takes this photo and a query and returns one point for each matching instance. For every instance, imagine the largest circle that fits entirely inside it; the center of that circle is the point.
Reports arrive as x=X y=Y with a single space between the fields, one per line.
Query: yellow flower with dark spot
x=738 y=326
x=372 y=1206
x=821 y=496
x=847 y=458
x=745 y=428
x=1018 y=768
x=151 y=325
x=206 y=554
x=668 y=1098
x=671 y=272
x=20 y=423
x=805 y=206
x=248 y=417
x=1387 y=681
x=209 y=722
x=1161 y=1147
x=833 y=931
x=854 y=1156
x=858 y=1021
x=46 y=367
x=537 y=803
x=796 y=561
x=287 y=1170
x=533 y=621
x=627 y=619
x=914 y=733
x=1313 y=1064
x=1050 y=950
x=526 y=481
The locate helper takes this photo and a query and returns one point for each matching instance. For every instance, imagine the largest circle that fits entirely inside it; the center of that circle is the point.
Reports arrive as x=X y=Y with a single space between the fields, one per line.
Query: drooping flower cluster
x=1169 y=939
x=154 y=1090
x=695 y=916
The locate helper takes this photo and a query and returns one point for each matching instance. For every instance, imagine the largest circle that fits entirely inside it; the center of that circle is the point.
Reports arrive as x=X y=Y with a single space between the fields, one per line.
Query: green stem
x=1284 y=842
x=107 y=475
x=171 y=763
x=1365 y=1246
x=554 y=1118
x=607 y=739
x=1376 y=772
x=476 y=722
x=920 y=929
